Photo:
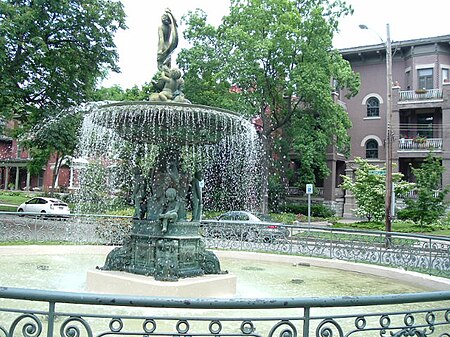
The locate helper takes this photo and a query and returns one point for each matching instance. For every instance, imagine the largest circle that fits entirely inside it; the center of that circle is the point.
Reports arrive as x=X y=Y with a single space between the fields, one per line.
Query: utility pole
x=389 y=133
x=389 y=130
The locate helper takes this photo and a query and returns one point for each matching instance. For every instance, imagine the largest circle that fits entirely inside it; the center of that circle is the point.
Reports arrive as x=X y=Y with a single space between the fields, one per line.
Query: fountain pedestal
x=167 y=255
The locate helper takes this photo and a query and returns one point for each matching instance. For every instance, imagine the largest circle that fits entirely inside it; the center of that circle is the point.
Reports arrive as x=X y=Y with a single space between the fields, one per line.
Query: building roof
x=396 y=44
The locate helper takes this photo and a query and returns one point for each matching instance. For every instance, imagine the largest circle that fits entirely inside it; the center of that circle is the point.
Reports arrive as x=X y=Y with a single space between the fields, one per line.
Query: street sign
x=309 y=188
x=377 y=172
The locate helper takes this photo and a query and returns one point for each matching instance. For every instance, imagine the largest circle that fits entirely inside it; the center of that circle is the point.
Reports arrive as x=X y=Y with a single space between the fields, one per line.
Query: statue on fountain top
x=170 y=83
x=167 y=40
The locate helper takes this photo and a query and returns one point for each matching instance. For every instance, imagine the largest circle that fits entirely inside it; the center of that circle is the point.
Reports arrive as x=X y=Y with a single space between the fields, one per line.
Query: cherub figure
x=172 y=86
x=170 y=209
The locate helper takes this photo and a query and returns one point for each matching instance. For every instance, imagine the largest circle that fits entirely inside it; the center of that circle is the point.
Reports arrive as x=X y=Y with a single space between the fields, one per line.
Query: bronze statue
x=168 y=40
x=170 y=209
x=197 y=205
x=172 y=84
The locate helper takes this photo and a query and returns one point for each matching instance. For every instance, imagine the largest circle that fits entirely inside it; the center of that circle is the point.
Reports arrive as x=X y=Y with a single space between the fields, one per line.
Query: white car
x=50 y=206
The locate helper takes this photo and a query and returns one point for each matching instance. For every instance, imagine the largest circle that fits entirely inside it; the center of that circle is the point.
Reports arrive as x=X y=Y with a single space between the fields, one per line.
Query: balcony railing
x=420 y=95
x=419 y=144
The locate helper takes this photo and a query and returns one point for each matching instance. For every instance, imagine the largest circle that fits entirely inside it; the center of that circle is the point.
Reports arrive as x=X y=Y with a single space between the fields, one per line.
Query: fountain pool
x=64 y=268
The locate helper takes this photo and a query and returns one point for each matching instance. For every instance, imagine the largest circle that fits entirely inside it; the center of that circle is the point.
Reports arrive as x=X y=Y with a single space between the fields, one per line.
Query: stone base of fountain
x=116 y=282
x=168 y=253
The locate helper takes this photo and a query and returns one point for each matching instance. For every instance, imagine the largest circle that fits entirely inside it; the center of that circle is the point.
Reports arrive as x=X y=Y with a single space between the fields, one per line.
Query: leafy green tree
x=370 y=189
x=52 y=53
x=430 y=204
x=116 y=93
x=277 y=58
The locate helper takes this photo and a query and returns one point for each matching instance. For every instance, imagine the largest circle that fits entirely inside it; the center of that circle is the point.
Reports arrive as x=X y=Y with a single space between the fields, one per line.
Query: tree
x=53 y=52
x=430 y=204
x=369 y=189
x=278 y=59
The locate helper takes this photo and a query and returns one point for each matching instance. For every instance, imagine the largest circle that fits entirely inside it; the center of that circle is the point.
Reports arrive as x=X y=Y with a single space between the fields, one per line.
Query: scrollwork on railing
x=285 y=328
x=30 y=325
x=329 y=328
x=75 y=327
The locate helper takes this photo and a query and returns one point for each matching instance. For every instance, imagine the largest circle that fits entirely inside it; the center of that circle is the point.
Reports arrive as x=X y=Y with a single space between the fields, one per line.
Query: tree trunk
x=265 y=174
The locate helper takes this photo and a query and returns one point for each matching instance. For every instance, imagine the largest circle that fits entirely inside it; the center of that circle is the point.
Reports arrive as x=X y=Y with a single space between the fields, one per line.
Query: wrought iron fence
x=425 y=254
x=34 y=313
x=82 y=314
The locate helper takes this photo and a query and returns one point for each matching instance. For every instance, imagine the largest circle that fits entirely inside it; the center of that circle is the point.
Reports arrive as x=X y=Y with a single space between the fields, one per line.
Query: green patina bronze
x=163 y=243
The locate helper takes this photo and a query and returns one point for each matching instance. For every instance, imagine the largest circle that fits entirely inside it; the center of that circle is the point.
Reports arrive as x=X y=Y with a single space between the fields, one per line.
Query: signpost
x=309 y=191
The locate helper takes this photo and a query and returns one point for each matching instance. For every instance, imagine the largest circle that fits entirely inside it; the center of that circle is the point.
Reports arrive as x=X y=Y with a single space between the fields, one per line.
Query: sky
x=137 y=45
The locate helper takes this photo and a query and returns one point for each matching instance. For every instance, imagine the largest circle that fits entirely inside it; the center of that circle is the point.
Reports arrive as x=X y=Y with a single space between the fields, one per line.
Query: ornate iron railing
x=35 y=313
x=51 y=313
x=426 y=254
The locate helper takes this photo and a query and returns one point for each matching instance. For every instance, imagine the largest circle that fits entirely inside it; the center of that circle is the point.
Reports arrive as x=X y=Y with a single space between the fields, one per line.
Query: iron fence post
x=331 y=243
x=381 y=248
x=430 y=269
x=51 y=319
x=307 y=315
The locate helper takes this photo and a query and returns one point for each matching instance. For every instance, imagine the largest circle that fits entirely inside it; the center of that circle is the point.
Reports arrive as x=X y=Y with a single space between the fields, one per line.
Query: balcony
x=420 y=144
x=420 y=95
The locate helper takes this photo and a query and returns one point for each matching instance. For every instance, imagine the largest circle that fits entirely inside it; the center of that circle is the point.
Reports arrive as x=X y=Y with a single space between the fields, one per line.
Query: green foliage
x=285 y=218
x=116 y=93
x=53 y=52
x=317 y=210
x=370 y=189
x=14 y=197
x=276 y=58
x=277 y=192
x=400 y=226
x=430 y=204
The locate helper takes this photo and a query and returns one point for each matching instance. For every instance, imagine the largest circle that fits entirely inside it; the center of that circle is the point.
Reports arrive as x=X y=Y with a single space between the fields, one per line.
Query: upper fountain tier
x=169 y=122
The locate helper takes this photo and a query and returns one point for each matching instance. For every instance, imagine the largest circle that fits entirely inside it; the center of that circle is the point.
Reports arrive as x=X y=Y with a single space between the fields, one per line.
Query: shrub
x=317 y=210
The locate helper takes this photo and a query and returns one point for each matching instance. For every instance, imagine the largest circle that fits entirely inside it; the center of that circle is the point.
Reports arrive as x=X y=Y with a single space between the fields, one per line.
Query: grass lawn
x=13 y=198
x=397 y=226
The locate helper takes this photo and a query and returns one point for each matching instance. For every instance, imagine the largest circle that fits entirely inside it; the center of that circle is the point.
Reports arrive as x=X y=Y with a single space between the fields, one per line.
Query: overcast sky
x=137 y=45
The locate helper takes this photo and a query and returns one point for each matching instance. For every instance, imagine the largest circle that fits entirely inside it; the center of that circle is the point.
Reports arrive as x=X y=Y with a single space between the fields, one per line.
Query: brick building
x=420 y=113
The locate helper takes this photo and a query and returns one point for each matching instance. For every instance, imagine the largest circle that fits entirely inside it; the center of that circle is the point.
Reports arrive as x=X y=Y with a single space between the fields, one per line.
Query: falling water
x=117 y=137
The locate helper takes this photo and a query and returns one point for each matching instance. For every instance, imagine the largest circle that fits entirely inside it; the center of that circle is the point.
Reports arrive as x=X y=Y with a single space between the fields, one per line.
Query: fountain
x=171 y=142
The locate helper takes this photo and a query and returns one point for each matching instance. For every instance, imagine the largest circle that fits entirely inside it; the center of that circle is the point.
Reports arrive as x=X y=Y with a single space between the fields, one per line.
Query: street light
x=389 y=135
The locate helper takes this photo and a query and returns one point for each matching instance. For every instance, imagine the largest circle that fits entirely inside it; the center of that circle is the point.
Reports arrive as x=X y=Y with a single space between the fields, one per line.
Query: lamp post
x=389 y=134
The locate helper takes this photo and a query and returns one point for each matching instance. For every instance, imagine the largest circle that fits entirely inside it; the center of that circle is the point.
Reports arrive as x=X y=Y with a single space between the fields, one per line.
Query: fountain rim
x=171 y=103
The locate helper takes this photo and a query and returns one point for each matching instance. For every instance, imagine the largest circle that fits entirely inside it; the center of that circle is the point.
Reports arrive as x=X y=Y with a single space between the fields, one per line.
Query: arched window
x=372 y=149
x=373 y=107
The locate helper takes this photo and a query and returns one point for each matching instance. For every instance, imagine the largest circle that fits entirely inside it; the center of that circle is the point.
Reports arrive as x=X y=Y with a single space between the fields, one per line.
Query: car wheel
x=20 y=210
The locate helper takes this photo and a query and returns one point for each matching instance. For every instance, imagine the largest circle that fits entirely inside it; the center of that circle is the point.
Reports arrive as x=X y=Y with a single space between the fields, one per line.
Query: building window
x=372 y=149
x=425 y=78
x=445 y=75
x=373 y=107
x=425 y=125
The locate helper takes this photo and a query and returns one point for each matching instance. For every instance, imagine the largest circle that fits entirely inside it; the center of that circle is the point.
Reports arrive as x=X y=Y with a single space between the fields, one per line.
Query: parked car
x=48 y=206
x=243 y=225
